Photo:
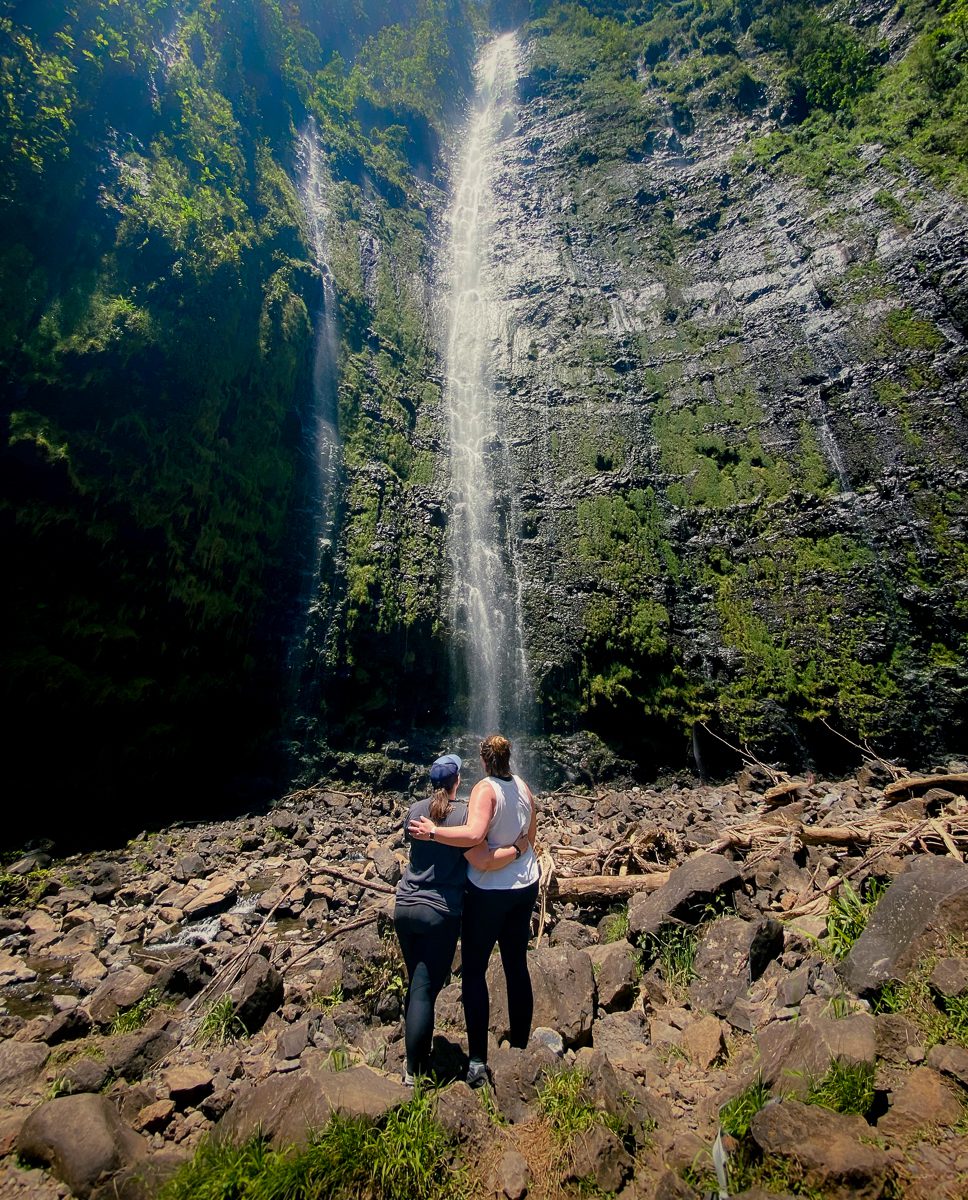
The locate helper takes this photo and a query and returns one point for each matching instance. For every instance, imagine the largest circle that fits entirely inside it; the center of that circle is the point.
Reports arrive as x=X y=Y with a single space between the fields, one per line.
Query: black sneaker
x=477 y=1074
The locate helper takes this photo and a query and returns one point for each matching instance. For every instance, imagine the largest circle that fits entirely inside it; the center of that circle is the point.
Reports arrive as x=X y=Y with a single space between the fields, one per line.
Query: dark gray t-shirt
x=436 y=874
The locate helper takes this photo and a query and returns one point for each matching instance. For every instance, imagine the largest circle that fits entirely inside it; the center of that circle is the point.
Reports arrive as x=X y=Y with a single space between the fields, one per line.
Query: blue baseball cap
x=445 y=770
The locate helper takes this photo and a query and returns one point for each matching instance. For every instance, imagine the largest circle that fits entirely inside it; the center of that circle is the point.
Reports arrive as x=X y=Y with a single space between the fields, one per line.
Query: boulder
x=949 y=978
x=623 y=1037
x=85 y=1075
x=15 y=970
x=564 y=993
x=950 y=1060
x=598 y=1157
x=131 y=1055
x=616 y=969
x=510 y=1177
x=287 y=1107
x=121 y=990
x=925 y=904
x=459 y=1112
x=703 y=1041
x=65 y=1026
x=258 y=993
x=187 y=1085
x=922 y=1101
x=793 y=1054
x=685 y=895
x=833 y=1151
x=217 y=896
x=517 y=1076
x=184 y=976
x=20 y=1063
x=80 y=1139
x=732 y=954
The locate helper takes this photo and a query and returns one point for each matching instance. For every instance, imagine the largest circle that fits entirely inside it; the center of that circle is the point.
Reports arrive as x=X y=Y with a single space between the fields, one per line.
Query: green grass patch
x=673 y=952
x=405 y=1156
x=939 y=1018
x=847 y=1087
x=736 y=1115
x=220 y=1024
x=134 y=1017
x=615 y=926
x=564 y=1103
x=848 y=915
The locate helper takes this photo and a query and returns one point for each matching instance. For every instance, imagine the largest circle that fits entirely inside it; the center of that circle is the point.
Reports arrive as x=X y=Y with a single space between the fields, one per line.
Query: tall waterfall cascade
x=493 y=686
x=322 y=434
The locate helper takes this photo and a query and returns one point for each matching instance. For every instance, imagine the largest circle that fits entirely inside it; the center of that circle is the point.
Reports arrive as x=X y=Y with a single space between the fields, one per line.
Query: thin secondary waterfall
x=323 y=442
x=493 y=688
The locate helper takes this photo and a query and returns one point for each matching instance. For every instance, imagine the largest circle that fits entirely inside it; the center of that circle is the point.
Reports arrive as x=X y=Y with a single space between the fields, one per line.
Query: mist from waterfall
x=322 y=440
x=493 y=689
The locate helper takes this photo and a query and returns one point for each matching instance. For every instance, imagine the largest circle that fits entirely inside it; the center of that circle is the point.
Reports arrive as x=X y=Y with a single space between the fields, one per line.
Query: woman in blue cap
x=429 y=903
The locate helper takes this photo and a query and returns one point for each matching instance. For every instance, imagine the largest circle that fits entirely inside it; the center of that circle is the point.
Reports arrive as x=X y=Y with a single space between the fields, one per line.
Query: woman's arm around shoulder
x=480 y=810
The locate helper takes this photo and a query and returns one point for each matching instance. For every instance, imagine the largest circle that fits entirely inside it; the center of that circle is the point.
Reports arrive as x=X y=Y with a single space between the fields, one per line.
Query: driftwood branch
x=563 y=887
x=919 y=783
x=373 y=884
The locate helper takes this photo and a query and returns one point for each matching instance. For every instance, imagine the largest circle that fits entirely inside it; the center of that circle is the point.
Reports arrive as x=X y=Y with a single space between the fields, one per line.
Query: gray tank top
x=512 y=817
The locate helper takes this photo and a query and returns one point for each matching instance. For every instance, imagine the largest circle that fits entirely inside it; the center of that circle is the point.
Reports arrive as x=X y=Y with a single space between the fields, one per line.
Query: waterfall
x=322 y=433
x=493 y=689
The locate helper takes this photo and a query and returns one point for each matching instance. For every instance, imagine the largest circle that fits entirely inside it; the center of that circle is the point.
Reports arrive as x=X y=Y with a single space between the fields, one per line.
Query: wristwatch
x=517 y=851
x=433 y=833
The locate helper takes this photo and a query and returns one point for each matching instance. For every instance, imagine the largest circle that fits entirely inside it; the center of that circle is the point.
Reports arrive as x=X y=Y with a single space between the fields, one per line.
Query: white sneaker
x=407 y=1079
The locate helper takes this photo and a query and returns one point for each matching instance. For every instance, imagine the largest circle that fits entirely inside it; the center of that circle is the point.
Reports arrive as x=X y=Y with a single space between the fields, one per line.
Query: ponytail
x=440 y=805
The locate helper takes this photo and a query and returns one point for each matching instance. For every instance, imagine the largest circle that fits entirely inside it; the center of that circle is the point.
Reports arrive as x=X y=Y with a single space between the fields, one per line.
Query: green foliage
x=940 y=1018
x=736 y=1115
x=564 y=1103
x=616 y=926
x=25 y=891
x=849 y=913
x=407 y=1156
x=219 y=1024
x=673 y=952
x=134 y=1017
x=847 y=1087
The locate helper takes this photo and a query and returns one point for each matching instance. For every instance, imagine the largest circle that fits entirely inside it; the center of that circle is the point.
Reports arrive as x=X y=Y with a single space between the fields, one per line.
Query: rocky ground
x=683 y=957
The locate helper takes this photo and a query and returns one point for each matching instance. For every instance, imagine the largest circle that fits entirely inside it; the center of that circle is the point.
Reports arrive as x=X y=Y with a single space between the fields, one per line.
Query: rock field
x=717 y=973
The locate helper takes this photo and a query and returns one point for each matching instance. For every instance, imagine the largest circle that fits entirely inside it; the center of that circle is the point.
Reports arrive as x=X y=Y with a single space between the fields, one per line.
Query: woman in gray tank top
x=502 y=887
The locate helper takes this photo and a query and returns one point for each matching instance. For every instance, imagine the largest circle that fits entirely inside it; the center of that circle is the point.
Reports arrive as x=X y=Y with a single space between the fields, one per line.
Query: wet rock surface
x=662 y=1048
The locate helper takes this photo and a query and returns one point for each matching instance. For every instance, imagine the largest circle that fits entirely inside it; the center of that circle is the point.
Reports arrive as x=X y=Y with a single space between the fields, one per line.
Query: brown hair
x=440 y=805
x=496 y=753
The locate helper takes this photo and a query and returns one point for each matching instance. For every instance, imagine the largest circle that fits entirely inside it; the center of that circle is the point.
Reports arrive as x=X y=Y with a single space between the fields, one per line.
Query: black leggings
x=428 y=939
x=502 y=917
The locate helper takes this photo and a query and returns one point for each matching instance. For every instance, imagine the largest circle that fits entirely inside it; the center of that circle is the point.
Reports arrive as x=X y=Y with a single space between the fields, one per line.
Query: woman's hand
x=421 y=828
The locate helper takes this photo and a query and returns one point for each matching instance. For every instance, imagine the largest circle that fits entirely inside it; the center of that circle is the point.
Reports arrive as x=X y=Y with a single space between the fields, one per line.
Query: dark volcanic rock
x=922 y=905
x=684 y=896
x=833 y=1151
x=285 y=1108
x=81 y=1139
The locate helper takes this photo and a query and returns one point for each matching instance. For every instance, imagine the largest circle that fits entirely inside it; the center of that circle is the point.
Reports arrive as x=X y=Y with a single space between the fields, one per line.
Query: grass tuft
x=849 y=913
x=673 y=950
x=220 y=1025
x=737 y=1114
x=407 y=1156
x=134 y=1017
x=564 y=1103
x=847 y=1087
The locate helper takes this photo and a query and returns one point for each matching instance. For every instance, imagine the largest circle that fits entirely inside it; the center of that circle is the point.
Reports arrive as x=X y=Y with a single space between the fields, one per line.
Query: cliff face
x=728 y=257
x=735 y=404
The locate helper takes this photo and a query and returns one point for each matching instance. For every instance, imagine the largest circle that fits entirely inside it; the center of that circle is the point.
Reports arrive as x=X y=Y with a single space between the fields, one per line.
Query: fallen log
x=832 y=835
x=783 y=793
x=917 y=783
x=585 y=886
